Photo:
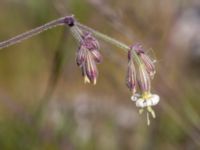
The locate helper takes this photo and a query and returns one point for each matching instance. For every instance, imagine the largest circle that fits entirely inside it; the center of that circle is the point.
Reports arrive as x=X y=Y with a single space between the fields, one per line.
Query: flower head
x=145 y=72
x=146 y=60
x=87 y=55
x=131 y=74
x=89 y=69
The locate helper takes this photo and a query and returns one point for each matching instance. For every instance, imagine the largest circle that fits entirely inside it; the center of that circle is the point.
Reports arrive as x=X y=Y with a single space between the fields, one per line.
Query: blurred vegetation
x=44 y=104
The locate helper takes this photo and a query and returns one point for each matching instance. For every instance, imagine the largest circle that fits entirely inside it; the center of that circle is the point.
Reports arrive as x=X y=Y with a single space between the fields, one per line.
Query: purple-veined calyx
x=87 y=55
x=143 y=72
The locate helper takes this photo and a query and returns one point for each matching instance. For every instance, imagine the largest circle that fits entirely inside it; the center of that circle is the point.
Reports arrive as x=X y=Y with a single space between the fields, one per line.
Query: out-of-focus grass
x=77 y=116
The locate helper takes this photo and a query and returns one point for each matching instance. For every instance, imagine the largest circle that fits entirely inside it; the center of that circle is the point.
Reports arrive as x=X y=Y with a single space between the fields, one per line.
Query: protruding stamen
x=148 y=120
x=149 y=109
x=86 y=79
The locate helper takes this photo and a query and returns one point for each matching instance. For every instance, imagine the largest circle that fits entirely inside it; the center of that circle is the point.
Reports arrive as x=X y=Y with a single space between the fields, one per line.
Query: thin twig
x=33 y=32
x=104 y=37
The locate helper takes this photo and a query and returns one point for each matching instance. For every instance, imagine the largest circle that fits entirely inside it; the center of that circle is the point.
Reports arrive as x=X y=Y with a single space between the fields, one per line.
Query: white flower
x=146 y=100
x=151 y=101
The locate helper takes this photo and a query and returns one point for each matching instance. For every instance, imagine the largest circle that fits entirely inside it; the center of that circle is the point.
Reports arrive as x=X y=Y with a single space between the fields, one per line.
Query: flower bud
x=143 y=79
x=90 y=42
x=91 y=69
x=80 y=56
x=131 y=77
x=97 y=56
x=149 y=64
x=87 y=54
x=138 y=48
x=135 y=97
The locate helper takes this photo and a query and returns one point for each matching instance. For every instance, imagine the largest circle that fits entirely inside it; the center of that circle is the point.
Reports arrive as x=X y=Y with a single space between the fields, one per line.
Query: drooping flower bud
x=87 y=55
x=131 y=74
x=90 y=42
x=138 y=48
x=91 y=68
x=143 y=79
x=80 y=56
x=149 y=64
x=145 y=72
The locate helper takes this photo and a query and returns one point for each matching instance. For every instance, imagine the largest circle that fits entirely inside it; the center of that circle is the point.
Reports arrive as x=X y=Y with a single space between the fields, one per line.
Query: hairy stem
x=104 y=37
x=33 y=32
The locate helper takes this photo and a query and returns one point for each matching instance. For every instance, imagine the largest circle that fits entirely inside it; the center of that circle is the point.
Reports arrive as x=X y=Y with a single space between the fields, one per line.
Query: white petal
x=155 y=99
x=149 y=102
x=140 y=103
x=135 y=97
x=152 y=101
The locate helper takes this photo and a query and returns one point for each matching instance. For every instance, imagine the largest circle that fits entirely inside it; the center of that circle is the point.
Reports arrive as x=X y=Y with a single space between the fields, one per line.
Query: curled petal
x=135 y=97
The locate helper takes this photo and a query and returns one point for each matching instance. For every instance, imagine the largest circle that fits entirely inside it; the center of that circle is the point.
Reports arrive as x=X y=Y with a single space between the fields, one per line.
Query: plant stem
x=104 y=37
x=33 y=32
x=67 y=20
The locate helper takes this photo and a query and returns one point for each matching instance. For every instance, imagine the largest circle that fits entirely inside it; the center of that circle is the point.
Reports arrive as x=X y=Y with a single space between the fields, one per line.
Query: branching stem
x=67 y=20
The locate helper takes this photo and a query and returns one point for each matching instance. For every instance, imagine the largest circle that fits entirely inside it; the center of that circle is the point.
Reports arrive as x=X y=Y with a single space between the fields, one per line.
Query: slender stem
x=104 y=37
x=76 y=33
x=33 y=32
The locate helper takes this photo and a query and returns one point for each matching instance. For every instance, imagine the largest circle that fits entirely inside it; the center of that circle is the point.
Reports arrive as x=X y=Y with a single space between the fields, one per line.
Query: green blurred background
x=44 y=104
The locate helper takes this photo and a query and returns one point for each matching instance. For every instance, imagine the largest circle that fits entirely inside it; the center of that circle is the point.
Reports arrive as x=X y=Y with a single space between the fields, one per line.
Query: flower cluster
x=140 y=78
x=87 y=55
x=140 y=72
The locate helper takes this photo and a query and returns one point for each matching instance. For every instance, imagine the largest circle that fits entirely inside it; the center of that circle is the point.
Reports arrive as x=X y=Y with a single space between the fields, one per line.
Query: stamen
x=149 y=109
x=95 y=81
x=148 y=120
x=86 y=79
